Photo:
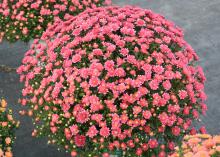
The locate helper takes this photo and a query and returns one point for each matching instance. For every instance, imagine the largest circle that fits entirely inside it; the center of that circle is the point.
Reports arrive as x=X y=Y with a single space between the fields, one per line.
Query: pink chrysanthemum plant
x=113 y=80
x=28 y=19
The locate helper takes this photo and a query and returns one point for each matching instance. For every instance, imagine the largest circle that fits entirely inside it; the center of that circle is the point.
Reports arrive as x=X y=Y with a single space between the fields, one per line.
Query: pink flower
x=76 y=58
x=174 y=108
x=154 y=84
x=167 y=85
x=97 y=52
x=74 y=129
x=82 y=116
x=120 y=72
x=97 y=117
x=103 y=88
x=124 y=118
x=53 y=129
x=164 y=48
x=136 y=109
x=145 y=33
x=143 y=102
x=109 y=65
x=193 y=131
x=204 y=108
x=94 y=81
x=163 y=118
x=25 y=31
x=176 y=131
x=65 y=107
x=171 y=145
x=158 y=69
x=92 y=131
x=66 y=52
x=169 y=75
x=166 y=39
x=182 y=94
x=105 y=132
x=147 y=114
x=84 y=73
x=195 y=114
x=172 y=120
x=202 y=95
x=111 y=48
x=124 y=51
x=139 y=152
x=140 y=22
x=203 y=130
x=96 y=107
x=153 y=143
x=55 y=117
x=80 y=140
x=67 y=133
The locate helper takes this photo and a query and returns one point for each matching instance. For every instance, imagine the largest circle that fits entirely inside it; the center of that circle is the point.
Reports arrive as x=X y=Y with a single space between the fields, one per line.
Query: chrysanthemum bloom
x=25 y=20
x=119 y=78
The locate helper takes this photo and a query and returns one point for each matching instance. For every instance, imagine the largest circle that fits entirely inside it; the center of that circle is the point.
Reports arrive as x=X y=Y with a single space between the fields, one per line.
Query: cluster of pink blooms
x=114 y=78
x=27 y=19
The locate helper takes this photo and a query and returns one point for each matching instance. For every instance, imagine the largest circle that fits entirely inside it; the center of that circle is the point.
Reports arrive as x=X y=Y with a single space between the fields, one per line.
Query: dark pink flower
x=152 y=143
x=176 y=131
x=80 y=140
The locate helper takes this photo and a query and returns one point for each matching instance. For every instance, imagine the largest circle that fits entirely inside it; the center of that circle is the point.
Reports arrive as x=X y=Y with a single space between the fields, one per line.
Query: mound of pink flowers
x=113 y=81
x=28 y=19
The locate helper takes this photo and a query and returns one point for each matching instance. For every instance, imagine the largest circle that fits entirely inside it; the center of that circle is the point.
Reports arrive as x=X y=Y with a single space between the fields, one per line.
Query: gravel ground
x=200 y=21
